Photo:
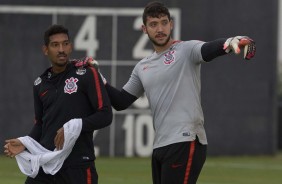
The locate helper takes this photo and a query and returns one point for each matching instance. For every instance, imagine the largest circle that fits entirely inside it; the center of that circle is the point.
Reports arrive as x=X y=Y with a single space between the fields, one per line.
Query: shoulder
x=44 y=75
x=141 y=64
x=37 y=81
x=146 y=59
x=190 y=43
x=189 y=47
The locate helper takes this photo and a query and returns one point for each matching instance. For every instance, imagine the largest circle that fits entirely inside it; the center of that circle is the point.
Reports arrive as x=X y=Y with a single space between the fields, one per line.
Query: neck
x=162 y=48
x=58 y=69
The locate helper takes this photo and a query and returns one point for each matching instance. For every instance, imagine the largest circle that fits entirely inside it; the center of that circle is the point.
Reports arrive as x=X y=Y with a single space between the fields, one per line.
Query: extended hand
x=59 y=139
x=237 y=43
x=95 y=64
x=86 y=61
x=13 y=147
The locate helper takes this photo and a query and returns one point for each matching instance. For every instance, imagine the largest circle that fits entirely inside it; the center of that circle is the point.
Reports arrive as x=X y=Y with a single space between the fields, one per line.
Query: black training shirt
x=74 y=93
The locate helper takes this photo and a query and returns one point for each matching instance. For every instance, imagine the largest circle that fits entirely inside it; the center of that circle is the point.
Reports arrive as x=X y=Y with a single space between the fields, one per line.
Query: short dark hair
x=155 y=9
x=54 y=29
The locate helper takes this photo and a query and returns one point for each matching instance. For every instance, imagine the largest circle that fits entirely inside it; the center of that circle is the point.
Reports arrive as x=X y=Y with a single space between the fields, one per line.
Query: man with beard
x=64 y=96
x=170 y=78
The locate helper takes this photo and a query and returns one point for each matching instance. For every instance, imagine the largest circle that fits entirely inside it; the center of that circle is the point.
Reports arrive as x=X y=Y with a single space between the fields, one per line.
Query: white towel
x=50 y=161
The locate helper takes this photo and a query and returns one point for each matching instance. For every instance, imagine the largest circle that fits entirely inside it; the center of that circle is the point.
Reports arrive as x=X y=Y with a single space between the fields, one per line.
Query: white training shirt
x=172 y=84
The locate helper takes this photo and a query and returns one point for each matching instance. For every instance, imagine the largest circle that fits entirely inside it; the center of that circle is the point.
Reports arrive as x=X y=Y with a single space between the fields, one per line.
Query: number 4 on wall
x=86 y=38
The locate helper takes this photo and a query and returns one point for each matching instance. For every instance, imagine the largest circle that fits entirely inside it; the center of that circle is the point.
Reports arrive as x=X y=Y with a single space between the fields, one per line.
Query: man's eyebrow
x=60 y=42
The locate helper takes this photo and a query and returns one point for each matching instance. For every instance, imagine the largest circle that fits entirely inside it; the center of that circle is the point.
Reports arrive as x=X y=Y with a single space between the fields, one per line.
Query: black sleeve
x=120 y=100
x=213 y=49
x=99 y=99
x=36 y=131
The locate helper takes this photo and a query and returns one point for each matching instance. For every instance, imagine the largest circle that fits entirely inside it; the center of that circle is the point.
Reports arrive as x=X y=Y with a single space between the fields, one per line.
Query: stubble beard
x=60 y=63
x=159 y=44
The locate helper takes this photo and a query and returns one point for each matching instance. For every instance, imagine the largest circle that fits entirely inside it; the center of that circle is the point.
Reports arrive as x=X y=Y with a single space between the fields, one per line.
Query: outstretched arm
x=213 y=49
x=120 y=100
x=219 y=47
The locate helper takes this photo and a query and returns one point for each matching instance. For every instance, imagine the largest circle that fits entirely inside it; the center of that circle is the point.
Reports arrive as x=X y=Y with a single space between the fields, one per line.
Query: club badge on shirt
x=71 y=86
x=80 y=71
x=169 y=57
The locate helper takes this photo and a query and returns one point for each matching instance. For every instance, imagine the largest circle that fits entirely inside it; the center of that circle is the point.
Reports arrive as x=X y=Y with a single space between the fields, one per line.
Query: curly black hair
x=54 y=29
x=155 y=9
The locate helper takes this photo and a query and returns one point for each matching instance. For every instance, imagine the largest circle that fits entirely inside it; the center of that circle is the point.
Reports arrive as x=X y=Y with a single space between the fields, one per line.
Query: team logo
x=169 y=57
x=37 y=81
x=71 y=86
x=80 y=71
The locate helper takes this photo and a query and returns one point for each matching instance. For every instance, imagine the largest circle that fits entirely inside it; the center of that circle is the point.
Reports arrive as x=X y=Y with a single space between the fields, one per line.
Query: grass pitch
x=217 y=170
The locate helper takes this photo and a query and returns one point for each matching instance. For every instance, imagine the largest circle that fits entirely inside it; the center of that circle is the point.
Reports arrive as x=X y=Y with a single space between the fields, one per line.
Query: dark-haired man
x=64 y=95
x=170 y=78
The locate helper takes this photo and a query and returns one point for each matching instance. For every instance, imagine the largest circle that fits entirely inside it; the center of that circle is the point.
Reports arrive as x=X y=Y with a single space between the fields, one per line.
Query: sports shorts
x=85 y=174
x=179 y=163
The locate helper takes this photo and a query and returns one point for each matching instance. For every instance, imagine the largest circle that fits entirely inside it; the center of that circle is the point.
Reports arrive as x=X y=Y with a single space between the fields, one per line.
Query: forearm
x=213 y=49
x=36 y=131
x=120 y=100
x=100 y=119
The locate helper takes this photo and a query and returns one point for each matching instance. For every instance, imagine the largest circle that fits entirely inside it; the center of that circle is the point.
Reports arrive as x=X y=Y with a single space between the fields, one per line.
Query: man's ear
x=144 y=29
x=45 y=50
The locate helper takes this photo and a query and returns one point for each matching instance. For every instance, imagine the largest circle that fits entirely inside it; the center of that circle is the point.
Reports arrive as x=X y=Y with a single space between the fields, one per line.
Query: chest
x=60 y=91
x=161 y=71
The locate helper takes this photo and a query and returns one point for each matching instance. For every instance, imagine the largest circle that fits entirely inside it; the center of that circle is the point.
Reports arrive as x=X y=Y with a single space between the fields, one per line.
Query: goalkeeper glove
x=92 y=62
x=86 y=61
x=236 y=43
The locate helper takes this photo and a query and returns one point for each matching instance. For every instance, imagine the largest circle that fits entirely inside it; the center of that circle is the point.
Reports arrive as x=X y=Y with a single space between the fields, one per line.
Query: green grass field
x=217 y=170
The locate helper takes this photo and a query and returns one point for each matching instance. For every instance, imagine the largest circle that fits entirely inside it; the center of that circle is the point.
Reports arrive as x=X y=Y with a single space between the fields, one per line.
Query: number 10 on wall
x=139 y=135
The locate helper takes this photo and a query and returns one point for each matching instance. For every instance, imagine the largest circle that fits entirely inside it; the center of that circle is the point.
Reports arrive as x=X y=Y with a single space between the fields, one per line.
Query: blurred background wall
x=239 y=97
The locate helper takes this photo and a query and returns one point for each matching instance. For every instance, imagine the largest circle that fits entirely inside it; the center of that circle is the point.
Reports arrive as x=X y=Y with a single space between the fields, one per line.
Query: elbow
x=108 y=116
x=109 y=119
x=120 y=108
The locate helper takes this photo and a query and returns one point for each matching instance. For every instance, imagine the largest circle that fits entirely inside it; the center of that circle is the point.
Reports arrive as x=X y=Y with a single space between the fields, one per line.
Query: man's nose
x=160 y=28
x=61 y=48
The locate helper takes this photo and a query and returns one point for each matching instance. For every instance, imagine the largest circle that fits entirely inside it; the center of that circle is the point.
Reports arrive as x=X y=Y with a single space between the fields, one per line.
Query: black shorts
x=70 y=175
x=179 y=163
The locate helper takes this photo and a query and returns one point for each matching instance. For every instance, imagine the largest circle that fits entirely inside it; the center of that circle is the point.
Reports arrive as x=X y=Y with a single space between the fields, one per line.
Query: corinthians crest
x=169 y=57
x=80 y=71
x=71 y=86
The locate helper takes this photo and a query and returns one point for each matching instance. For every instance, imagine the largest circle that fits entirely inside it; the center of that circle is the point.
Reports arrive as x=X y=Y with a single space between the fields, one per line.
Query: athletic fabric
x=74 y=93
x=58 y=98
x=171 y=82
x=213 y=49
x=120 y=99
x=37 y=156
x=178 y=163
x=70 y=175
